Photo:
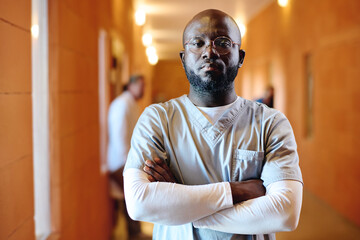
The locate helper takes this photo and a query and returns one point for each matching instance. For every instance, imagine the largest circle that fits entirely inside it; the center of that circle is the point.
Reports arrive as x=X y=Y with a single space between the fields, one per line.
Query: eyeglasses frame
x=212 y=42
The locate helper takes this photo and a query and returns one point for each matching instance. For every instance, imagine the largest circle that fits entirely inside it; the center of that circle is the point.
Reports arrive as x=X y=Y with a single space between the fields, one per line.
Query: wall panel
x=16 y=161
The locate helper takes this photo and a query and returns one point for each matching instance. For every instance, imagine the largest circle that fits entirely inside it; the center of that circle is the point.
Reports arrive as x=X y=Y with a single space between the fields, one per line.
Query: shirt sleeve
x=277 y=211
x=171 y=203
x=281 y=159
x=147 y=141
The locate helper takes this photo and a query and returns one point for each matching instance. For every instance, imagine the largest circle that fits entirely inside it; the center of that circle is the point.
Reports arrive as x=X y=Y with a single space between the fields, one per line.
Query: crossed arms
x=238 y=207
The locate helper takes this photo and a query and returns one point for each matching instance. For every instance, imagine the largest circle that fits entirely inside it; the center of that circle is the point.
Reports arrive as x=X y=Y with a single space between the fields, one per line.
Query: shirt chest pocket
x=246 y=165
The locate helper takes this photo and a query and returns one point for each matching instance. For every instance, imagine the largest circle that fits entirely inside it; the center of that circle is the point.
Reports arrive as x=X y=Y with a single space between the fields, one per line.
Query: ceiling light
x=151 y=54
x=153 y=59
x=283 y=3
x=140 y=17
x=147 y=39
x=150 y=51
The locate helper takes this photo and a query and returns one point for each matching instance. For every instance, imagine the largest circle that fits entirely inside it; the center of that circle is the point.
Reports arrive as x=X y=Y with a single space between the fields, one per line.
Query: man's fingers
x=150 y=164
x=165 y=171
x=160 y=171
x=154 y=174
x=151 y=178
x=165 y=174
x=161 y=163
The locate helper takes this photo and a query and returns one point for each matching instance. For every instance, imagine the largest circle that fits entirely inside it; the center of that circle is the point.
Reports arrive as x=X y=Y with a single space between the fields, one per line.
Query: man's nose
x=210 y=51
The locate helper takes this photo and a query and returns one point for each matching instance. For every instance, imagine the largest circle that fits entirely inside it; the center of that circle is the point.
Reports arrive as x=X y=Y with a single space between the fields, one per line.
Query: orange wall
x=279 y=39
x=16 y=168
x=169 y=80
x=79 y=192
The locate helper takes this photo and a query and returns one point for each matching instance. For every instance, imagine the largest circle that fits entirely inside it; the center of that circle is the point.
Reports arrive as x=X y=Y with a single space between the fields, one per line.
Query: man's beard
x=215 y=84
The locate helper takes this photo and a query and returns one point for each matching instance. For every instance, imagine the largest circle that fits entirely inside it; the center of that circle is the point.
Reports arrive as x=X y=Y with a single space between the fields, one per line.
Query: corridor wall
x=169 y=80
x=279 y=43
x=16 y=168
x=79 y=197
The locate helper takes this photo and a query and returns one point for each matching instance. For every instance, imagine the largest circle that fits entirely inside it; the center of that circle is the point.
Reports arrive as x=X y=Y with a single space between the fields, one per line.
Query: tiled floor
x=317 y=222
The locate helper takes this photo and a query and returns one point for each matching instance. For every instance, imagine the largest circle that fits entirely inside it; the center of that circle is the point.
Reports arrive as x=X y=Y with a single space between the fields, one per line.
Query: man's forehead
x=213 y=26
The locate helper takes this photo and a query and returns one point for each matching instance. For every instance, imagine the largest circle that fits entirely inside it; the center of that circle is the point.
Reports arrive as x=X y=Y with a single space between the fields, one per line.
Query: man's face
x=208 y=71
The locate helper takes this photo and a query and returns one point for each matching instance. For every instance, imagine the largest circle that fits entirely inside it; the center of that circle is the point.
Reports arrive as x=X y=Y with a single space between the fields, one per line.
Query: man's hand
x=245 y=190
x=158 y=171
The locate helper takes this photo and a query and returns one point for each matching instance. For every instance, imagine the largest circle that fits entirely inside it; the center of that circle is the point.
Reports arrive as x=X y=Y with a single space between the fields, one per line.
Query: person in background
x=210 y=164
x=122 y=117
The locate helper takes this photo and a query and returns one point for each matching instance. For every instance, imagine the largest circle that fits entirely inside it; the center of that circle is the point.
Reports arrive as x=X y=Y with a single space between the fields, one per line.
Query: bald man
x=210 y=164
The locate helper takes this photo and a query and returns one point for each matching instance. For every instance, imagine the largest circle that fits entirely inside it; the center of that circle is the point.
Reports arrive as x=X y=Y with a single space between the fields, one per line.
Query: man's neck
x=211 y=99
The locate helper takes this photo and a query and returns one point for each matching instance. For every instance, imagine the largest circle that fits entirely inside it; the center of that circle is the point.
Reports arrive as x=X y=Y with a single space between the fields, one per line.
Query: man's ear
x=241 y=57
x=182 y=57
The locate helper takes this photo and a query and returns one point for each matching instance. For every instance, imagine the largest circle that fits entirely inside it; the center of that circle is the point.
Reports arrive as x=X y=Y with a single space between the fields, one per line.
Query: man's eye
x=197 y=43
x=224 y=43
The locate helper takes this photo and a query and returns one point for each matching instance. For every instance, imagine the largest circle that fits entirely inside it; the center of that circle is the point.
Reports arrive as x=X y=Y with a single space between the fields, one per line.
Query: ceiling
x=166 y=19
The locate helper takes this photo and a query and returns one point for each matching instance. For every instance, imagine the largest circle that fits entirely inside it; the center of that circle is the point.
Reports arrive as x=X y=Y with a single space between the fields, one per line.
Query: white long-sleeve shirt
x=210 y=206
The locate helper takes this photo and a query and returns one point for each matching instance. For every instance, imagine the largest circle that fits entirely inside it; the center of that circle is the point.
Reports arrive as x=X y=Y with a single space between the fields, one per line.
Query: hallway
x=62 y=62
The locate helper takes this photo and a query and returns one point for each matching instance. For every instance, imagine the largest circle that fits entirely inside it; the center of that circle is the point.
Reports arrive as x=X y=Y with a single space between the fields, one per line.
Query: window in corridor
x=40 y=117
x=104 y=73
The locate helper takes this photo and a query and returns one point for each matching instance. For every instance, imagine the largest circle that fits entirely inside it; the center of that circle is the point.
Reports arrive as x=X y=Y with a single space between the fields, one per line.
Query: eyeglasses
x=222 y=45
